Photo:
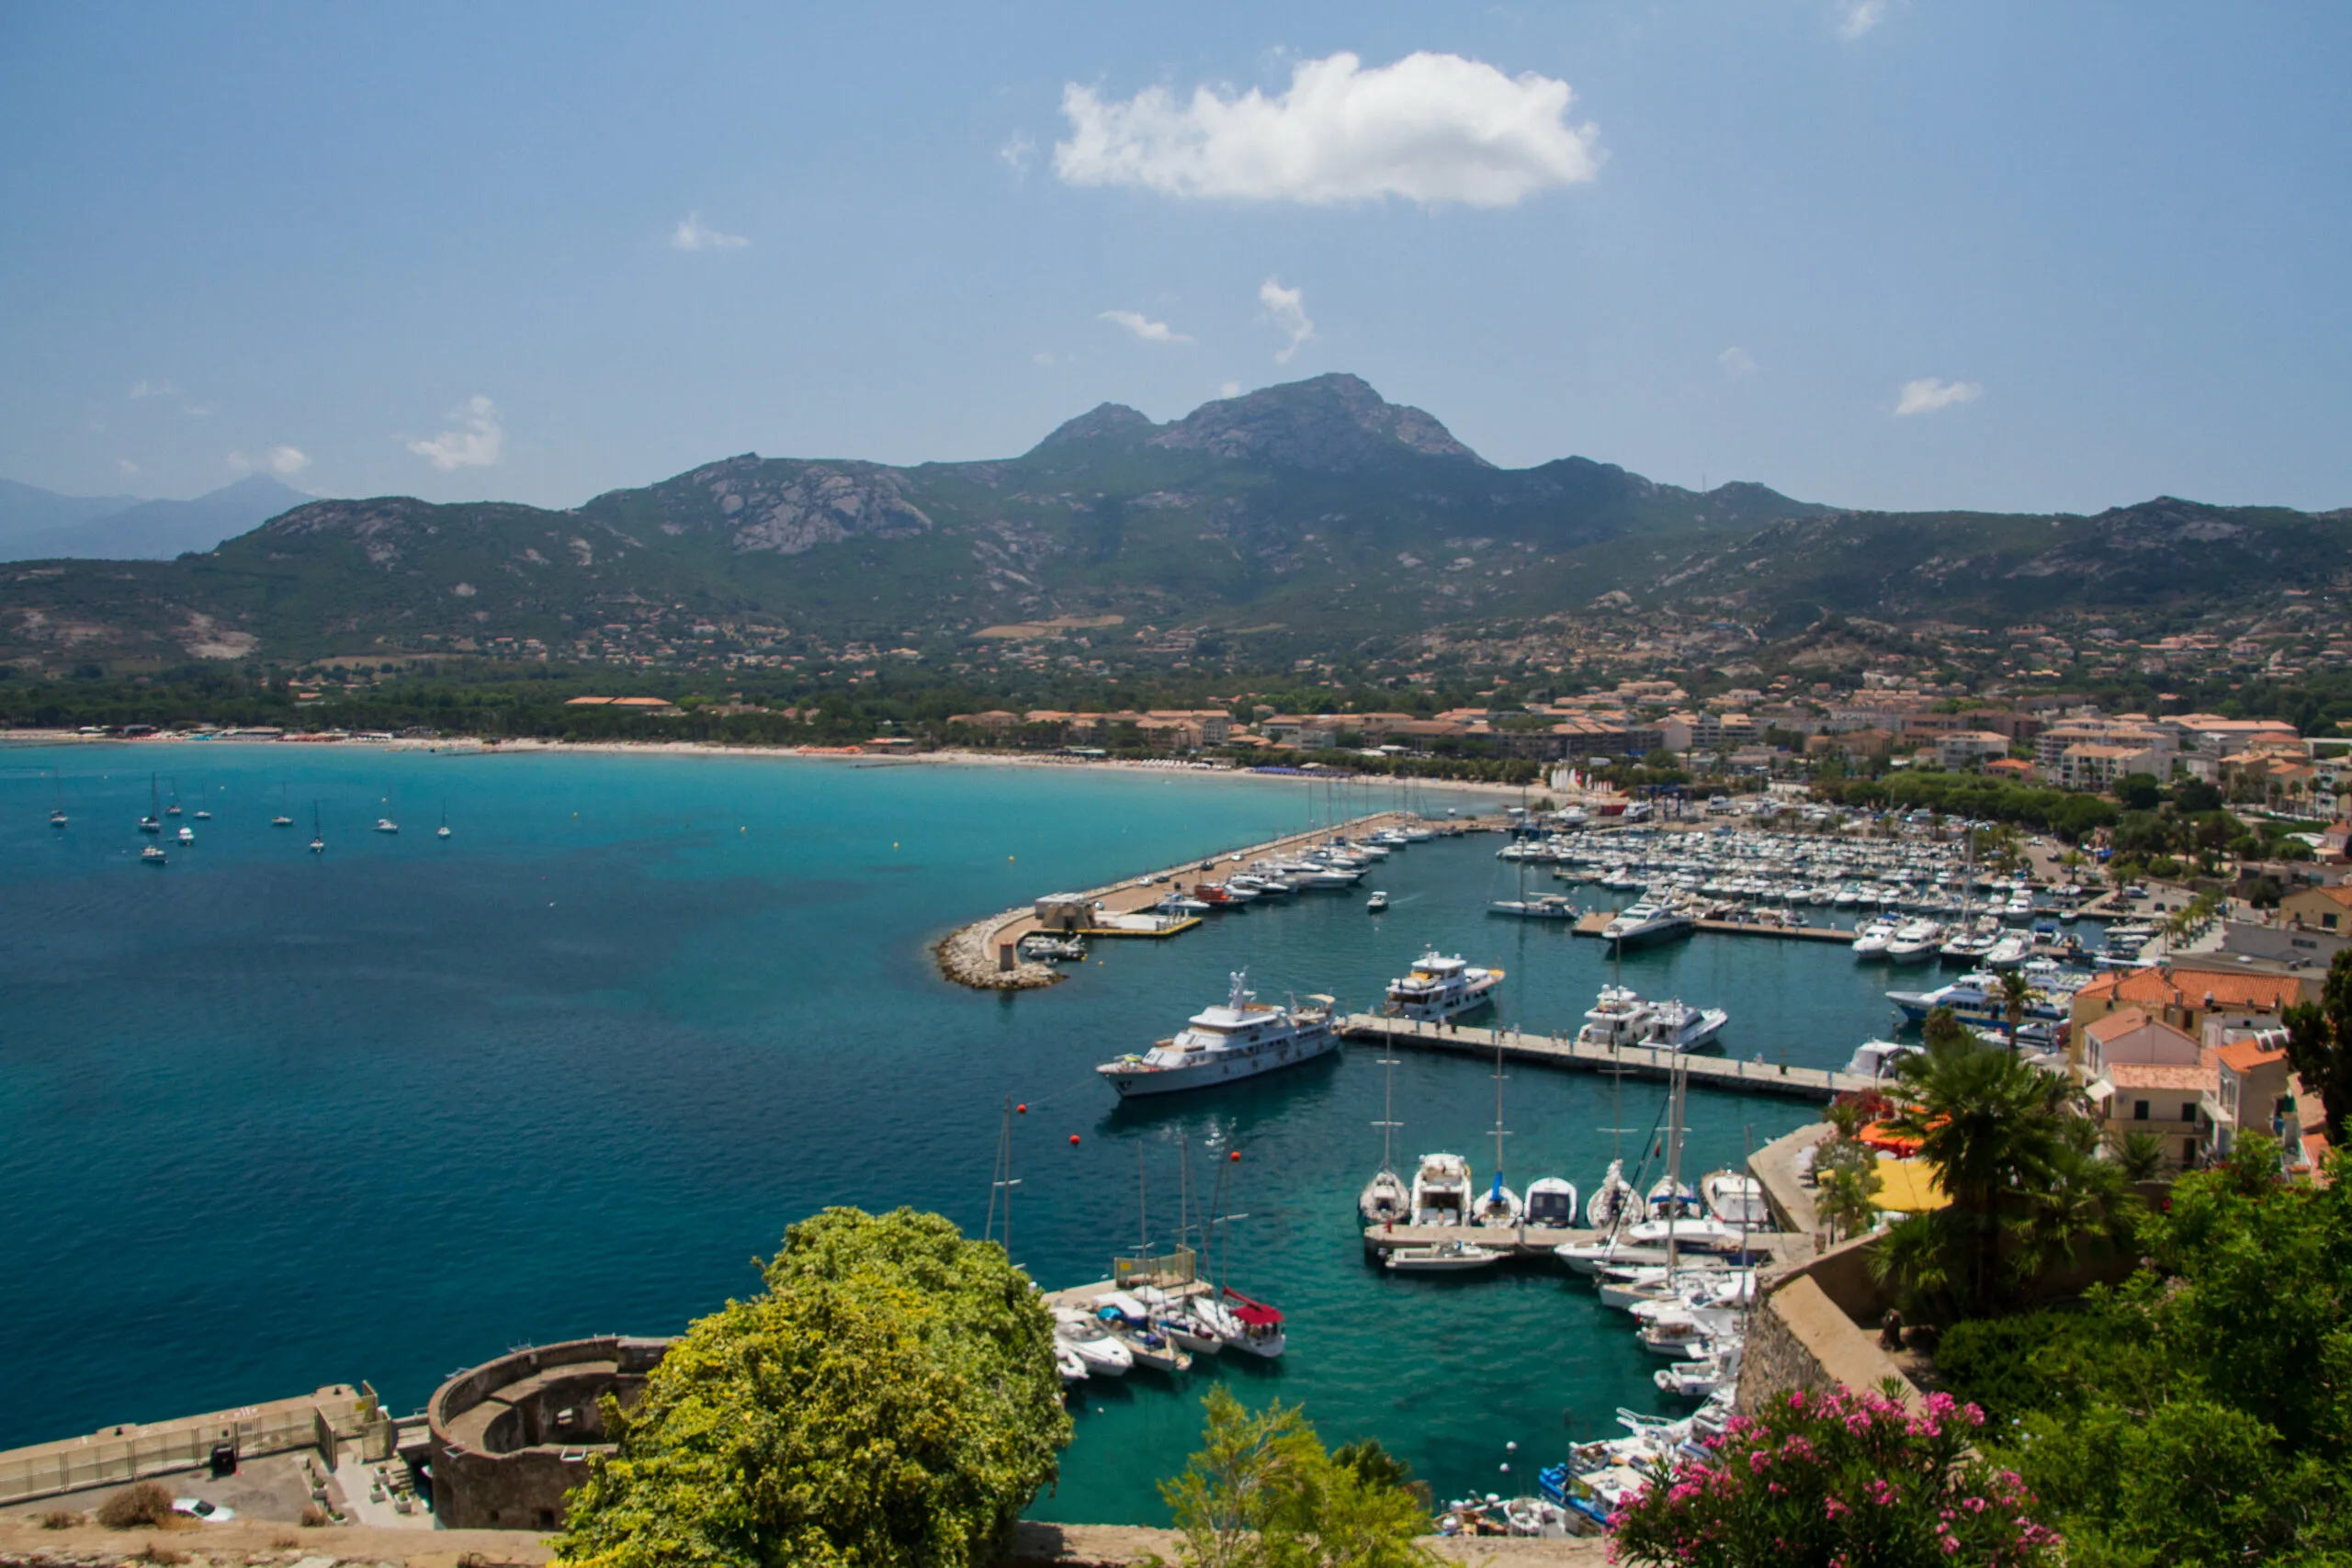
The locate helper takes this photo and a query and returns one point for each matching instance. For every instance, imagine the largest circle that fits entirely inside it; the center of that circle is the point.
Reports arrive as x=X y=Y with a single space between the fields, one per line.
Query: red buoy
x=1236 y=1155
x=1023 y=1108
x=1073 y=1140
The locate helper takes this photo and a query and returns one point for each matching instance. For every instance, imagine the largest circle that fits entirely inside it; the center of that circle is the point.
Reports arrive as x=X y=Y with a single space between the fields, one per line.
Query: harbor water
x=270 y=1120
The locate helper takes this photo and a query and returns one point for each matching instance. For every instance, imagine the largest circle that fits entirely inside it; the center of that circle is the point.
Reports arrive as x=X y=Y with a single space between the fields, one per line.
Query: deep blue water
x=270 y=1121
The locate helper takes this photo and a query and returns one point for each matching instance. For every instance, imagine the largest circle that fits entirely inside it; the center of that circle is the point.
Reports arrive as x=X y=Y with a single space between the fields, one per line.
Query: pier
x=1538 y=1241
x=1732 y=1073
x=1598 y=921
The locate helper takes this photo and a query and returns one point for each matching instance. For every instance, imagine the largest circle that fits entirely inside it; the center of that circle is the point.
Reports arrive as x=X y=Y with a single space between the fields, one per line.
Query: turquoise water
x=270 y=1121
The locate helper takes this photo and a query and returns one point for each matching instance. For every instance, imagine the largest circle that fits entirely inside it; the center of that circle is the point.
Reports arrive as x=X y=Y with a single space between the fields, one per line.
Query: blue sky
x=538 y=251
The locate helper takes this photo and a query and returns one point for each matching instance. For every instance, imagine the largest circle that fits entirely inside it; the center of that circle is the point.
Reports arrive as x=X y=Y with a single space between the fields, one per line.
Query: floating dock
x=1746 y=1076
x=1538 y=1241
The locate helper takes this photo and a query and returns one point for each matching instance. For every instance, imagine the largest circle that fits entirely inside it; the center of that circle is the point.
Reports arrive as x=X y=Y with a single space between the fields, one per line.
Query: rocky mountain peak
x=1104 y=422
x=1336 y=423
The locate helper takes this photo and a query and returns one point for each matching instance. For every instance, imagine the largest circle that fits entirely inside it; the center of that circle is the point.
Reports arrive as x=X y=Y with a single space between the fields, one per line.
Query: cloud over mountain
x=1429 y=128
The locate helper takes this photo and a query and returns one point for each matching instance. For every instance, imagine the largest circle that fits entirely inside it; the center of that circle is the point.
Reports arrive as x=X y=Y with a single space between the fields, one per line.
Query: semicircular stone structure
x=512 y=1436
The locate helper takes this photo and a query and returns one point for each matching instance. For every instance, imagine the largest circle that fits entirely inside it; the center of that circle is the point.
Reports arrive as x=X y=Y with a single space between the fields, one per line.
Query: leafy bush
x=60 y=1520
x=1843 y=1480
x=889 y=1398
x=147 y=1503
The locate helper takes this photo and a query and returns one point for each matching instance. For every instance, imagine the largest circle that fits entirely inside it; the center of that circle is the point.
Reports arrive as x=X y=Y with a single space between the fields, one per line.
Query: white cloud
x=128 y=468
x=144 y=389
x=1736 y=361
x=693 y=234
x=479 y=445
x=1286 y=309
x=285 y=460
x=1927 y=394
x=1431 y=127
x=1230 y=390
x=1143 y=326
x=1856 y=17
x=238 y=463
x=196 y=410
x=1018 y=152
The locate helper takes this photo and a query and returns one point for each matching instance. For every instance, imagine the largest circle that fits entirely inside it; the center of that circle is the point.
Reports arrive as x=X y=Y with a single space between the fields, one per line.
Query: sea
x=271 y=1120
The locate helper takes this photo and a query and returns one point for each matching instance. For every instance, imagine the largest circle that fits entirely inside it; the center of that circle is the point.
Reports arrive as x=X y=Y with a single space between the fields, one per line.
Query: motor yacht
x=1870 y=941
x=1439 y=988
x=1091 y=1341
x=152 y=855
x=1238 y=1039
x=1677 y=1026
x=1876 y=1059
x=1617 y=1018
x=386 y=825
x=1442 y=1191
x=1737 y=1201
x=1540 y=907
x=1377 y=902
x=1644 y=923
x=1914 y=941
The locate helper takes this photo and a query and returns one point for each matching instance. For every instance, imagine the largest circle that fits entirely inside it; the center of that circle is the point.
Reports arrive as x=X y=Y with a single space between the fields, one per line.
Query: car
x=198 y=1508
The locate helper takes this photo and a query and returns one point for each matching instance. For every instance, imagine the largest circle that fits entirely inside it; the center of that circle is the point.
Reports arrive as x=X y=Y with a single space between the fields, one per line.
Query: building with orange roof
x=2128 y=1034
x=2319 y=908
x=2183 y=997
x=2256 y=1090
x=2168 y=1100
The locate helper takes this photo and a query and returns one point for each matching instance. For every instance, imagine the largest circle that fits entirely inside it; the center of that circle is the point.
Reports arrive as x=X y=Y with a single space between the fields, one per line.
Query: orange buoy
x=1023 y=1108
x=1236 y=1155
x=1073 y=1140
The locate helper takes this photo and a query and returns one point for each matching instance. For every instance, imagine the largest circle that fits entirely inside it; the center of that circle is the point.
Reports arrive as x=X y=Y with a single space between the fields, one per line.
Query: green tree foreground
x=889 y=1398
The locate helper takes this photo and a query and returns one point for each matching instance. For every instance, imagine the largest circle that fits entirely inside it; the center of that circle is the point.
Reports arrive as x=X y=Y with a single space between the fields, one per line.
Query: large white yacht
x=1439 y=988
x=1617 y=1017
x=1239 y=1039
x=1442 y=1191
x=1646 y=922
x=1679 y=1026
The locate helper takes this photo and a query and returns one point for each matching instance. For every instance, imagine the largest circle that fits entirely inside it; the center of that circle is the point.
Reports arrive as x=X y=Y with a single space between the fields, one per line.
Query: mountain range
x=40 y=524
x=1314 y=517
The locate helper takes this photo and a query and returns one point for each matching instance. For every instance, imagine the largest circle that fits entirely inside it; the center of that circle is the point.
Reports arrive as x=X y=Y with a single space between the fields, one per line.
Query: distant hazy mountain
x=156 y=530
x=29 y=508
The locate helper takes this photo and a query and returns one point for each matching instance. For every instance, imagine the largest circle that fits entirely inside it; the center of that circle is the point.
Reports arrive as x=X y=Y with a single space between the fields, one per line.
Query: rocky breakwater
x=969 y=956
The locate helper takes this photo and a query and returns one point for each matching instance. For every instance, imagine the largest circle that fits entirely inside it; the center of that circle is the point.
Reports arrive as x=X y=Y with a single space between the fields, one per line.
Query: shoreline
x=946 y=757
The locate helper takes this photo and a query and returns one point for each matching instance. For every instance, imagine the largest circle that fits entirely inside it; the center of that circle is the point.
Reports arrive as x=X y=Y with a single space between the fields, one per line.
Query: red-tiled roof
x=2162 y=987
x=2248 y=1054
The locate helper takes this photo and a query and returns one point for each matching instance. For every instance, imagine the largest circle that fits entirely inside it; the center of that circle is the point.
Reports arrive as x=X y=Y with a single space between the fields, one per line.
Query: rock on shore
x=968 y=956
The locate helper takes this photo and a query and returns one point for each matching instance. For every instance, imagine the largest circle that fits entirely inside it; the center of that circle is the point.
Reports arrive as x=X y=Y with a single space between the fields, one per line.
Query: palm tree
x=2138 y=1156
x=1987 y=1124
x=2017 y=994
x=1843 y=1198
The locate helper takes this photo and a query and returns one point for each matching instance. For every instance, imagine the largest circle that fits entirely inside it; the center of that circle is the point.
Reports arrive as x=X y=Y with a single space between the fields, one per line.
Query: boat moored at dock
x=1439 y=988
x=1238 y=1039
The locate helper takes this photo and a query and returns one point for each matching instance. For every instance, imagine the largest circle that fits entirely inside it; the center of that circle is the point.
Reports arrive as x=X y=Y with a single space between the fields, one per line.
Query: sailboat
x=318 y=840
x=57 y=812
x=153 y=821
x=1544 y=905
x=174 y=808
x=445 y=821
x=1500 y=1208
x=281 y=819
x=1385 y=1198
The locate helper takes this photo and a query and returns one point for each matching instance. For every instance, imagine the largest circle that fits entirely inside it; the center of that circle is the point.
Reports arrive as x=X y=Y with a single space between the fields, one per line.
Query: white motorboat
x=1737 y=1201
x=1540 y=907
x=1611 y=1200
x=186 y=835
x=1377 y=903
x=1875 y=1059
x=1644 y=923
x=1223 y=1044
x=1699 y=1235
x=1700 y=1378
x=1442 y=1191
x=1677 y=1026
x=1870 y=941
x=1440 y=987
x=386 y=825
x=1069 y=1363
x=1091 y=1341
x=1552 y=1200
x=1616 y=1019
x=1592 y=1259
x=1452 y=1257
x=152 y=855
x=1914 y=941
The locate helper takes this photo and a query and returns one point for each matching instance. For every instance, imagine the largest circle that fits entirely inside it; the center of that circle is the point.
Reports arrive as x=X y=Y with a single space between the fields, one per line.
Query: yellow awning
x=1908 y=1186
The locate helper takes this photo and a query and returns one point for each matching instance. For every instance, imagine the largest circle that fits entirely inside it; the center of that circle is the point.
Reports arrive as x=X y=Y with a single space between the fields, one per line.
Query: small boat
x=1611 y=1199
x=1454 y=1256
x=57 y=812
x=1552 y=1200
x=1700 y=1378
x=281 y=819
x=153 y=821
x=444 y=830
x=318 y=840
x=152 y=856
x=1377 y=903
x=1069 y=1363
x=1497 y=1208
x=1669 y=1200
x=57 y=817
x=186 y=835
x=1442 y=1191
x=1870 y=941
x=386 y=825
x=1541 y=907
x=1091 y=1342
x=1385 y=1199
x=1052 y=949
x=1736 y=1199
x=1129 y=1322
x=1875 y=1059
x=202 y=816
x=1252 y=1325
x=1646 y=922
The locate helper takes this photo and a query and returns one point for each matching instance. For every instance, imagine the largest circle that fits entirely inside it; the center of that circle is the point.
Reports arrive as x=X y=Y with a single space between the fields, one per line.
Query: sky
x=1891 y=253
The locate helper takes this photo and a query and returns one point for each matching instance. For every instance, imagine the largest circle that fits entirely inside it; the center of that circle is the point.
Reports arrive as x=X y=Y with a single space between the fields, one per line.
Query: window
x=2327 y=922
x=2188 y=1151
x=2188 y=1111
x=2139 y=1110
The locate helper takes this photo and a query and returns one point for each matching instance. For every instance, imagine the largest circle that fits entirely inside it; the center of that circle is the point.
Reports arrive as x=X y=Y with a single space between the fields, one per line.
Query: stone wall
x=512 y=1436
x=1798 y=1337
